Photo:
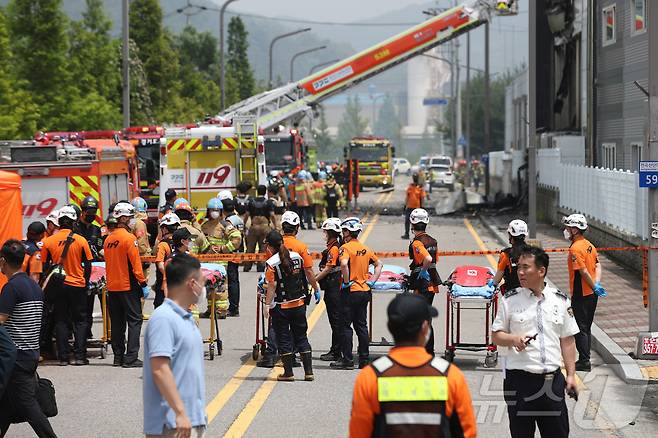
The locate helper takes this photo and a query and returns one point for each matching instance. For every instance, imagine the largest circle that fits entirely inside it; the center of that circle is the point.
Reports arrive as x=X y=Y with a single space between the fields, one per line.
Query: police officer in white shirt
x=536 y=323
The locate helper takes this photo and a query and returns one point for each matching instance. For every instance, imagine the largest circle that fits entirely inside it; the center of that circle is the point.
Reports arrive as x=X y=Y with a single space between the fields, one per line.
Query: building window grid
x=609 y=155
x=609 y=25
x=636 y=155
x=638 y=17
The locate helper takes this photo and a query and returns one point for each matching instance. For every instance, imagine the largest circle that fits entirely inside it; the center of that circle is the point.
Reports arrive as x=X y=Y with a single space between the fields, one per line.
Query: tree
x=237 y=61
x=388 y=123
x=198 y=49
x=327 y=150
x=352 y=124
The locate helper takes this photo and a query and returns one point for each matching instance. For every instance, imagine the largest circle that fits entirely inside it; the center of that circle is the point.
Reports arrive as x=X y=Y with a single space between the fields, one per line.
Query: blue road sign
x=648 y=173
x=429 y=101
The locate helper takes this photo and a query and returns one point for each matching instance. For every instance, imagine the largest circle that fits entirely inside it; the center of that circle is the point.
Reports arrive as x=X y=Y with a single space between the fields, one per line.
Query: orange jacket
x=122 y=261
x=365 y=403
x=79 y=252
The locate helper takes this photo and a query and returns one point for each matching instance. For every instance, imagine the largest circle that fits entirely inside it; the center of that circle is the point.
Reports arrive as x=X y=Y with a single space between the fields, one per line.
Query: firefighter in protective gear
x=424 y=279
x=409 y=393
x=126 y=285
x=140 y=231
x=217 y=231
x=287 y=286
x=318 y=195
x=302 y=197
x=169 y=223
x=94 y=236
x=223 y=195
x=183 y=210
x=261 y=212
x=329 y=280
x=333 y=195
x=274 y=193
x=517 y=231
x=235 y=239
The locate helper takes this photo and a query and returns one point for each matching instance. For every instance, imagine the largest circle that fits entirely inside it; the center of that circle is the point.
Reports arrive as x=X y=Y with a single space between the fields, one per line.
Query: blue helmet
x=322 y=175
x=215 y=204
x=179 y=201
x=139 y=204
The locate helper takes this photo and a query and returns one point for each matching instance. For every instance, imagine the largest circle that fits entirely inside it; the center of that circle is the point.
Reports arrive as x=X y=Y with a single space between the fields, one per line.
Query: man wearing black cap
x=170 y=198
x=181 y=240
x=408 y=392
x=32 y=264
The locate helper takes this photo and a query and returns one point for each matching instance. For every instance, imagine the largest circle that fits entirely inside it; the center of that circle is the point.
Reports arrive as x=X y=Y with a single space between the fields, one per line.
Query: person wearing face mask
x=184 y=211
x=126 y=285
x=174 y=381
x=391 y=396
x=329 y=280
x=94 y=235
x=517 y=231
x=585 y=284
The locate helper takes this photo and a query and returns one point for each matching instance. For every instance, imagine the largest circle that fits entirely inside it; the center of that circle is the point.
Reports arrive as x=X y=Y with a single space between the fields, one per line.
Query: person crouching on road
x=329 y=280
x=126 y=285
x=391 y=396
x=517 y=230
x=424 y=278
x=174 y=384
x=536 y=323
x=169 y=223
x=286 y=300
x=355 y=295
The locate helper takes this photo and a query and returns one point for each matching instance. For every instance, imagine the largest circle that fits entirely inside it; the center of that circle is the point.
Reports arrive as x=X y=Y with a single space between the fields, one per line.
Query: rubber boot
x=287 y=375
x=307 y=361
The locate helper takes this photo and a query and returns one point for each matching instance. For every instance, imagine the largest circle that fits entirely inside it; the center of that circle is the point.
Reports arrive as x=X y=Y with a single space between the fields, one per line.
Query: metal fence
x=548 y=168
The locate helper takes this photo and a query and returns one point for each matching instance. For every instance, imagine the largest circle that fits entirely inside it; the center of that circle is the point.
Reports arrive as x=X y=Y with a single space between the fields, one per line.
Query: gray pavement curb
x=612 y=354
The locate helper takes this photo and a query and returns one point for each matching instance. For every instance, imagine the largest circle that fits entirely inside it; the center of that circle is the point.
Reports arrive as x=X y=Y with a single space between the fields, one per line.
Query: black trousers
x=584 y=309
x=125 y=310
x=19 y=403
x=429 y=297
x=71 y=308
x=332 y=301
x=290 y=326
x=233 y=275
x=332 y=211
x=407 y=220
x=536 y=400
x=47 y=324
x=354 y=310
x=7 y=358
x=271 y=345
x=90 y=311
x=159 y=298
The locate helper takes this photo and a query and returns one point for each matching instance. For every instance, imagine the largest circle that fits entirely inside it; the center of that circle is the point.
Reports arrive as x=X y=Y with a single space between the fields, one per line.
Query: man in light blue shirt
x=174 y=389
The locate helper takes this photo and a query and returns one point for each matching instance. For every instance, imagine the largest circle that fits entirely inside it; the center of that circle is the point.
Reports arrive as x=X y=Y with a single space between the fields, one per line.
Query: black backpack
x=332 y=196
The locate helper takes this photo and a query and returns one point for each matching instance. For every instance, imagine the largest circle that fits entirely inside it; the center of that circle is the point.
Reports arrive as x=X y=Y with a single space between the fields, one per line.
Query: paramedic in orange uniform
x=355 y=294
x=70 y=302
x=32 y=264
x=125 y=286
x=415 y=197
x=390 y=397
x=424 y=278
x=584 y=281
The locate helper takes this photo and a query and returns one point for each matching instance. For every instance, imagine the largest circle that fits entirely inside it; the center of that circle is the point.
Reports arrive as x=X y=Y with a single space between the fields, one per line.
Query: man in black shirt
x=94 y=237
x=21 y=305
x=261 y=212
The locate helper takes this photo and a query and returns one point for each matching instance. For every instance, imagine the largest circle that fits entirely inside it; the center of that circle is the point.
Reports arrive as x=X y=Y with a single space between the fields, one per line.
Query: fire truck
x=375 y=157
x=148 y=141
x=63 y=172
x=286 y=149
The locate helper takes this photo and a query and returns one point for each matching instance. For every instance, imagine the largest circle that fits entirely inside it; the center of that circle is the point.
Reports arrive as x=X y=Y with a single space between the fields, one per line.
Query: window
x=609 y=25
x=638 y=16
x=636 y=156
x=609 y=155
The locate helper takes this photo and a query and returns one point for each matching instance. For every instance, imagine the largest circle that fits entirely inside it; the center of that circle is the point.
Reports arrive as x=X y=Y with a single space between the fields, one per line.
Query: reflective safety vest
x=510 y=274
x=432 y=247
x=412 y=400
x=289 y=287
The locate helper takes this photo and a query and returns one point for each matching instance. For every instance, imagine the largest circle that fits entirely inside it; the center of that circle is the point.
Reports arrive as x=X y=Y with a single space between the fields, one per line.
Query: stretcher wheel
x=211 y=351
x=449 y=355
x=263 y=348
x=103 y=351
x=491 y=360
x=255 y=351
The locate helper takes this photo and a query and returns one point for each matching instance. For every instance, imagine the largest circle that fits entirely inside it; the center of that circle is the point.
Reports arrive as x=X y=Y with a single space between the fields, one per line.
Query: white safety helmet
x=123 y=209
x=225 y=194
x=419 y=215
x=352 y=224
x=333 y=223
x=169 y=219
x=67 y=211
x=291 y=218
x=53 y=218
x=517 y=228
x=575 y=220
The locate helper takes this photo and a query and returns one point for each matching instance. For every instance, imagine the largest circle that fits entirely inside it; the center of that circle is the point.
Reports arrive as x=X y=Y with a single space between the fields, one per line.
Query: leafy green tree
x=352 y=124
x=198 y=49
x=388 y=124
x=327 y=150
x=237 y=61
x=141 y=106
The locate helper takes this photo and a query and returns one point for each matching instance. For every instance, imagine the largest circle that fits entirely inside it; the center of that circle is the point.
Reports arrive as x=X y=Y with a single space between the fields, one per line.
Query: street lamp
x=298 y=54
x=319 y=66
x=277 y=38
x=221 y=51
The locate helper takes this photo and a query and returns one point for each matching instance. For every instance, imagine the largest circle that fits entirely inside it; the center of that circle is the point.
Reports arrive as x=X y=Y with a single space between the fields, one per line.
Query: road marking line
x=246 y=417
x=594 y=406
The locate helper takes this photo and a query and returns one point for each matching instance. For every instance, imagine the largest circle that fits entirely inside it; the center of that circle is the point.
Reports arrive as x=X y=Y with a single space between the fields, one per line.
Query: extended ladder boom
x=275 y=106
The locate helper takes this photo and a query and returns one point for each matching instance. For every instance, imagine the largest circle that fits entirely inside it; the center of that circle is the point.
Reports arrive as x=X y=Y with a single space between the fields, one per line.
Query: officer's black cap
x=408 y=311
x=170 y=193
x=180 y=235
x=36 y=228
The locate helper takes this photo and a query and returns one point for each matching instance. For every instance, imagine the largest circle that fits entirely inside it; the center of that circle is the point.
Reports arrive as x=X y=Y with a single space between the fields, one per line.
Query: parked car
x=421 y=165
x=442 y=176
x=402 y=165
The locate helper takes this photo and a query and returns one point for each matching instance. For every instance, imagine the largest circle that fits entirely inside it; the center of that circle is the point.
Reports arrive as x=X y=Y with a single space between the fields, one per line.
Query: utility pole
x=125 y=62
x=468 y=100
x=487 y=106
x=532 y=120
x=653 y=156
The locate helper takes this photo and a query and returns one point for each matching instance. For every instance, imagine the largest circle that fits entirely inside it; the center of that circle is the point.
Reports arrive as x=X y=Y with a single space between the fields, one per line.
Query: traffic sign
x=429 y=101
x=648 y=173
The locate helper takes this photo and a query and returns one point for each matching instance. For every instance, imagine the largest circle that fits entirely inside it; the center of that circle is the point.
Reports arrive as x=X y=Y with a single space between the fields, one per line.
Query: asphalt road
x=102 y=401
